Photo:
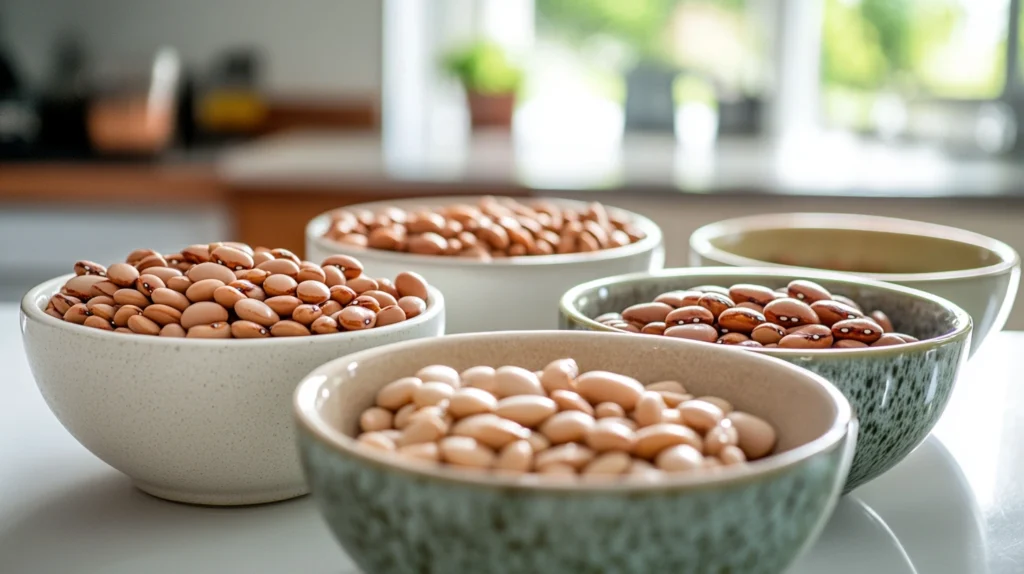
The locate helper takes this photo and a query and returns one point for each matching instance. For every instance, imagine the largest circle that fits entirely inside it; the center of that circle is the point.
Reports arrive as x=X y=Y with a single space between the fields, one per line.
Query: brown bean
x=740 y=320
x=691 y=314
x=313 y=292
x=203 y=289
x=204 y=313
x=105 y=287
x=149 y=261
x=143 y=326
x=412 y=306
x=883 y=321
x=696 y=332
x=747 y=293
x=847 y=301
x=288 y=328
x=324 y=325
x=715 y=302
x=789 y=312
x=98 y=323
x=733 y=339
x=226 y=296
x=848 y=344
x=411 y=284
x=283 y=305
x=830 y=312
x=362 y=284
x=383 y=299
x=350 y=266
x=248 y=330
x=333 y=276
x=81 y=286
x=130 y=297
x=85 y=267
x=281 y=253
x=62 y=302
x=164 y=273
x=277 y=285
x=654 y=328
x=101 y=310
x=280 y=267
x=644 y=313
x=767 y=333
x=390 y=315
x=808 y=337
x=179 y=284
x=343 y=294
x=162 y=314
x=210 y=271
x=147 y=283
x=259 y=312
x=211 y=331
x=807 y=291
x=173 y=330
x=888 y=339
x=863 y=330
x=125 y=312
x=330 y=308
x=307 y=313
x=356 y=318
x=122 y=274
x=195 y=253
x=231 y=258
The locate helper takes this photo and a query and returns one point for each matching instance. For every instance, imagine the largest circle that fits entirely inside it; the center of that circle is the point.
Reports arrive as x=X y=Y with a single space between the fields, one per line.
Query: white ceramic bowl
x=516 y=293
x=191 y=420
x=978 y=273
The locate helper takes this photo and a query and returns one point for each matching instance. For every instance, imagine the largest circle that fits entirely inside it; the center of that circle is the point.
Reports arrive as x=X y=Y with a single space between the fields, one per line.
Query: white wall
x=329 y=47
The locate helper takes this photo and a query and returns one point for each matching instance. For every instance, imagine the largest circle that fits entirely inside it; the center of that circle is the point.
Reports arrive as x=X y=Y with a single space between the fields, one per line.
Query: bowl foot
x=222 y=499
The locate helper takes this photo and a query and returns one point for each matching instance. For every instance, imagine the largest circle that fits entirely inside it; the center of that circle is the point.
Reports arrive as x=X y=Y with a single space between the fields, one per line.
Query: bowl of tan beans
x=895 y=352
x=571 y=452
x=177 y=368
x=523 y=253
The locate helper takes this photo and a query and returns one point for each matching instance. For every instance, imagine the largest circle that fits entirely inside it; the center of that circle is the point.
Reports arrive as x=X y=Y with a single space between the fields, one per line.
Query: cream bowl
x=502 y=294
x=898 y=393
x=191 y=420
x=978 y=273
x=401 y=518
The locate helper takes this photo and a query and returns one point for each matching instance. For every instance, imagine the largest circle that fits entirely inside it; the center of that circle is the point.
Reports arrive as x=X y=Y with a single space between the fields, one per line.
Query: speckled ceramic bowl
x=190 y=420
x=528 y=288
x=898 y=393
x=978 y=273
x=391 y=516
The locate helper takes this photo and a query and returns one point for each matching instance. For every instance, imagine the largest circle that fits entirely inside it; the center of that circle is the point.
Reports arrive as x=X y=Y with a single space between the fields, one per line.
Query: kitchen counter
x=954 y=506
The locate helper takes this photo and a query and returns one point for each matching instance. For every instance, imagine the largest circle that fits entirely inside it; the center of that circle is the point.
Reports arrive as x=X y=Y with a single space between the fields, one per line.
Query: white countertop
x=955 y=506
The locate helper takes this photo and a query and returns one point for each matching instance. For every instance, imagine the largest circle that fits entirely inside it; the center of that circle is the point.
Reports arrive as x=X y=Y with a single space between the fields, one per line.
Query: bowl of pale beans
x=978 y=273
x=521 y=254
x=530 y=452
x=177 y=368
x=895 y=352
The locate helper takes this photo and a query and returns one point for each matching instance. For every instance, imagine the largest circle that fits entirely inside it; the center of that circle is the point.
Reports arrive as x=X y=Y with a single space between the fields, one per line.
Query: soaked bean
x=697 y=332
x=512 y=380
x=650 y=441
x=605 y=386
x=527 y=410
x=567 y=426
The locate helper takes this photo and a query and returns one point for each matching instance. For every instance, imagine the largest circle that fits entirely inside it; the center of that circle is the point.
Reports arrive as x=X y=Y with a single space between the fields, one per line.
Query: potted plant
x=490 y=80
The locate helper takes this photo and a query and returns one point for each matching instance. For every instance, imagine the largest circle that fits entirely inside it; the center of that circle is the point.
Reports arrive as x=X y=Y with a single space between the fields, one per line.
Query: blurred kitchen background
x=146 y=123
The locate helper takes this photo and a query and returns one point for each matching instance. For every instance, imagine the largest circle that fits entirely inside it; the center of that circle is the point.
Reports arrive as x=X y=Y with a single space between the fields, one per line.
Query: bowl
x=200 y=421
x=898 y=392
x=978 y=273
x=394 y=517
x=515 y=293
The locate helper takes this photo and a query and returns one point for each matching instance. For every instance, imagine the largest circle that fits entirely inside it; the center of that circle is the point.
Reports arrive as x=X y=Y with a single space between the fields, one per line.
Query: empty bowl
x=394 y=516
x=203 y=421
x=898 y=392
x=502 y=294
x=978 y=273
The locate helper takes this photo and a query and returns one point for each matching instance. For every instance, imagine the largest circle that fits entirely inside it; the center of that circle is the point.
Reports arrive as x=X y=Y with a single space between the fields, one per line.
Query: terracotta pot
x=491 y=110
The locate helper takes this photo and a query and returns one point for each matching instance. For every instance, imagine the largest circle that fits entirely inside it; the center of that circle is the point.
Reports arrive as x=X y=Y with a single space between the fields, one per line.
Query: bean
x=259 y=312
x=98 y=323
x=356 y=318
x=173 y=330
x=691 y=314
x=649 y=409
x=141 y=325
x=204 y=313
x=516 y=457
x=883 y=321
x=610 y=434
x=807 y=291
x=830 y=312
x=740 y=320
x=756 y=436
x=571 y=454
x=863 y=330
x=203 y=289
x=413 y=306
x=512 y=380
x=567 y=426
x=283 y=305
x=767 y=333
x=377 y=440
x=491 y=430
x=679 y=458
x=122 y=274
x=466 y=451
x=527 y=410
x=243 y=329
x=609 y=464
x=653 y=439
x=471 y=401
x=808 y=337
x=571 y=401
x=289 y=329
x=210 y=270
x=604 y=386
x=609 y=409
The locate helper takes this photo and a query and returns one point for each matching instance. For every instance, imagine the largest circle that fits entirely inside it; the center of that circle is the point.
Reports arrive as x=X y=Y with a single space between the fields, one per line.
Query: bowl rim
x=313 y=385
x=701 y=241
x=316 y=226
x=33 y=312
x=963 y=324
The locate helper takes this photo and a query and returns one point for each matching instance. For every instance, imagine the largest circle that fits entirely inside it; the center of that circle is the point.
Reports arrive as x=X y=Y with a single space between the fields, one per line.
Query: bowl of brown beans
x=978 y=273
x=177 y=368
x=895 y=352
x=521 y=254
x=525 y=452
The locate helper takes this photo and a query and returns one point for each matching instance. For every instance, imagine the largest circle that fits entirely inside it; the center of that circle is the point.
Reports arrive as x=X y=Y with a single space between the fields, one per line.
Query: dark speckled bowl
x=399 y=518
x=898 y=393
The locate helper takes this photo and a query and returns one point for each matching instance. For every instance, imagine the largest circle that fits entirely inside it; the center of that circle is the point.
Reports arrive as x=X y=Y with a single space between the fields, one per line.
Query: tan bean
x=130 y=297
x=243 y=329
x=356 y=318
x=211 y=331
x=649 y=409
x=411 y=284
x=515 y=457
x=571 y=401
x=609 y=409
x=608 y=464
x=670 y=386
x=491 y=430
x=399 y=393
x=150 y=261
x=883 y=321
x=690 y=314
x=306 y=314
x=350 y=266
x=567 y=426
x=788 y=312
x=324 y=325
x=289 y=329
x=719 y=437
x=432 y=393
x=471 y=401
x=164 y=273
x=719 y=402
x=101 y=310
x=375 y=419
x=573 y=455
x=383 y=299
x=511 y=380
x=732 y=455
x=756 y=436
x=258 y=312
x=171 y=298
x=420 y=452
x=673 y=400
x=162 y=314
x=647 y=312
x=830 y=312
x=283 y=305
x=538 y=441
x=278 y=285
x=426 y=244
x=650 y=441
x=466 y=451
x=330 y=308
x=377 y=440
x=740 y=320
x=807 y=291
x=122 y=274
x=279 y=267
x=888 y=339
x=226 y=296
x=203 y=290
x=767 y=333
x=610 y=434
x=695 y=332
x=480 y=377
x=204 y=313
x=254 y=276
x=864 y=330
x=389 y=315
x=98 y=323
x=81 y=286
x=123 y=313
x=605 y=386
x=440 y=374
x=679 y=458
x=198 y=253
x=85 y=267
x=142 y=325
x=179 y=284
x=333 y=276
x=527 y=410
x=101 y=288
x=412 y=306
x=367 y=303
x=210 y=270
x=173 y=330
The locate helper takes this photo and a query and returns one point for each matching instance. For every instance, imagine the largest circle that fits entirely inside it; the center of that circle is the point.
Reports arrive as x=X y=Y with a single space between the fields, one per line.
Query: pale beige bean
x=393 y=434
x=258 y=312
x=403 y=414
x=527 y=410
x=171 y=298
x=575 y=455
x=227 y=296
x=399 y=393
x=756 y=436
x=605 y=386
x=81 y=286
x=516 y=457
x=674 y=399
x=377 y=440
x=173 y=330
x=610 y=434
x=732 y=455
x=210 y=270
x=667 y=386
x=567 y=426
x=122 y=274
x=653 y=439
x=480 y=377
x=571 y=401
x=721 y=436
x=558 y=470
x=141 y=325
x=721 y=403
x=470 y=401
x=609 y=464
x=432 y=393
x=559 y=374
x=649 y=409
x=411 y=284
x=466 y=451
x=679 y=458
x=420 y=452
x=211 y=331
x=376 y=419
x=511 y=380
x=671 y=416
x=701 y=416
x=604 y=410
x=388 y=315
x=440 y=374
x=243 y=329
x=423 y=428
x=623 y=420
x=204 y=313
x=490 y=430
x=538 y=441
x=289 y=329
x=643 y=469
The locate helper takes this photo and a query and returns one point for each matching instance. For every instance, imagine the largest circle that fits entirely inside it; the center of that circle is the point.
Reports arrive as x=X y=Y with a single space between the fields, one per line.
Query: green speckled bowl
x=400 y=518
x=898 y=393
